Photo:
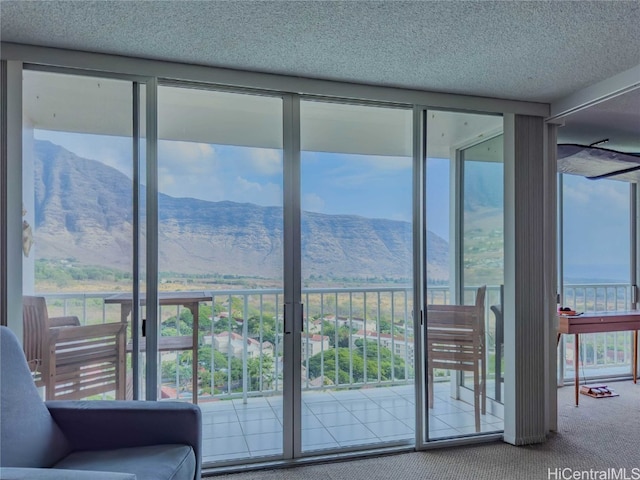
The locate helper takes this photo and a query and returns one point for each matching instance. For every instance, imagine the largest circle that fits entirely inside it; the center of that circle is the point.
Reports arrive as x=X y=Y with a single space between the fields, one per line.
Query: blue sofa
x=92 y=440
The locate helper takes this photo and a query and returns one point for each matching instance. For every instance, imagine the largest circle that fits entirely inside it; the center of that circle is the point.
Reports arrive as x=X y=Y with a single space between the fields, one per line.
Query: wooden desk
x=600 y=322
x=190 y=300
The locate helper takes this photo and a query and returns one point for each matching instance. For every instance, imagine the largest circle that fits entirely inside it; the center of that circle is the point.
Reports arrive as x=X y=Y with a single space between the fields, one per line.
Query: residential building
x=235 y=345
x=313 y=344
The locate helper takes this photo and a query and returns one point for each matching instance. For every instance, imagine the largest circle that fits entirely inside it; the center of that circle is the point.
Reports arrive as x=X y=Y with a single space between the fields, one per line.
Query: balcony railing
x=601 y=354
x=353 y=337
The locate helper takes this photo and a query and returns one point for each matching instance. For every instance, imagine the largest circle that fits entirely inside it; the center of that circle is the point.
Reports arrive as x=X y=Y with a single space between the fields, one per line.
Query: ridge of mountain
x=84 y=211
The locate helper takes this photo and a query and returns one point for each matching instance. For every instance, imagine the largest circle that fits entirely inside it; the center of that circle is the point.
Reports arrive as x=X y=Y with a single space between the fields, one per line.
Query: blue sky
x=596 y=228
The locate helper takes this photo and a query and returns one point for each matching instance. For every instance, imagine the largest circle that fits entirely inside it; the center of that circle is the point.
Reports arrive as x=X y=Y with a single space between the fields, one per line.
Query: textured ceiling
x=537 y=51
x=528 y=50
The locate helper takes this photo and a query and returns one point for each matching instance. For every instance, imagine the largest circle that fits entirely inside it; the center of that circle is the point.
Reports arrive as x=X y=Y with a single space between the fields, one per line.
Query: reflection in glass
x=77 y=219
x=464 y=205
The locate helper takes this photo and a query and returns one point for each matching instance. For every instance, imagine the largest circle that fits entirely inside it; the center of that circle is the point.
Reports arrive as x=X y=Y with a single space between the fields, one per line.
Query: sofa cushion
x=157 y=462
x=29 y=437
x=23 y=473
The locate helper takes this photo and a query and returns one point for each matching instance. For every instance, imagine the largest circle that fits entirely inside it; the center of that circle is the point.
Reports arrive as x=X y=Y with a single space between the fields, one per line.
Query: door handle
x=289 y=319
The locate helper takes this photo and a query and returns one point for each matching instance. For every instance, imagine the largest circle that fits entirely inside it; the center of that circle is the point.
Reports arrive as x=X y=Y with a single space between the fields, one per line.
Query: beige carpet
x=600 y=434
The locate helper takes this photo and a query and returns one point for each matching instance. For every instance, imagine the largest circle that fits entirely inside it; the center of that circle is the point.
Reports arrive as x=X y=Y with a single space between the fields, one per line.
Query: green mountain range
x=84 y=212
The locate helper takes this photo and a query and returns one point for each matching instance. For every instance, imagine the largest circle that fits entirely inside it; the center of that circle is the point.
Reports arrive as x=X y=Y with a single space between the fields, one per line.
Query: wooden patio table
x=600 y=322
x=190 y=300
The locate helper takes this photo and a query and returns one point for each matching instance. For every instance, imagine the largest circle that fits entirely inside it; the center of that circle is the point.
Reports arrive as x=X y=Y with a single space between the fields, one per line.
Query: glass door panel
x=464 y=214
x=596 y=270
x=220 y=266
x=483 y=264
x=78 y=217
x=357 y=341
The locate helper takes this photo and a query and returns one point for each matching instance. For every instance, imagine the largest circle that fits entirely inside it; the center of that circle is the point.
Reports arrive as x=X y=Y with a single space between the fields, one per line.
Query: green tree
x=329 y=329
x=256 y=373
x=205 y=315
x=182 y=366
x=268 y=328
x=389 y=369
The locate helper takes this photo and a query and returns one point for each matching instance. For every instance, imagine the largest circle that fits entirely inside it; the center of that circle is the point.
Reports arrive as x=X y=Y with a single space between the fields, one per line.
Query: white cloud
x=403 y=217
x=360 y=170
x=266 y=161
x=576 y=196
x=244 y=190
x=599 y=195
x=312 y=202
x=611 y=192
x=201 y=171
x=165 y=181
x=187 y=157
x=181 y=183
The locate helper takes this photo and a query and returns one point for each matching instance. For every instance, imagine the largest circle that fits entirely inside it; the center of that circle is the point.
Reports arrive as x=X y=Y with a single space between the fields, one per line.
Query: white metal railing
x=247 y=325
x=601 y=354
x=597 y=297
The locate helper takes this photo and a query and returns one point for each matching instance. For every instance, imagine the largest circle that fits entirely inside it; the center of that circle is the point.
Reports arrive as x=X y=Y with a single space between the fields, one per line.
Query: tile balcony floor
x=233 y=430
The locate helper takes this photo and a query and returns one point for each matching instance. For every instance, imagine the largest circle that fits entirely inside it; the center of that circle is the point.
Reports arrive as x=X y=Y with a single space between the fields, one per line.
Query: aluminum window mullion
x=419 y=198
x=633 y=255
x=560 y=269
x=13 y=195
x=633 y=244
x=3 y=194
x=152 y=309
x=457 y=202
x=135 y=310
x=293 y=314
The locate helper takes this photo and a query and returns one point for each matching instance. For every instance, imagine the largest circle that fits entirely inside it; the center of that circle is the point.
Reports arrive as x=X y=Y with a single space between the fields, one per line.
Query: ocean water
x=596 y=274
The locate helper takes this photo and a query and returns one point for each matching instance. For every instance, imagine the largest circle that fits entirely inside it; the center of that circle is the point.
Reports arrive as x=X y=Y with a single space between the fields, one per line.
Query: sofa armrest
x=108 y=424
x=20 y=473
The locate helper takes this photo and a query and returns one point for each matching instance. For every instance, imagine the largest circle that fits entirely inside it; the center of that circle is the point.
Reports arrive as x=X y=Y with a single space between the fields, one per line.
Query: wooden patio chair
x=455 y=341
x=69 y=360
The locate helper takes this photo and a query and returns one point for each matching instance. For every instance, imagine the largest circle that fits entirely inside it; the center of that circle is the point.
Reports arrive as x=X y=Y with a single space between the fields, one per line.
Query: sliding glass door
x=357 y=364
x=482 y=237
x=80 y=171
x=220 y=263
x=464 y=206
x=241 y=176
